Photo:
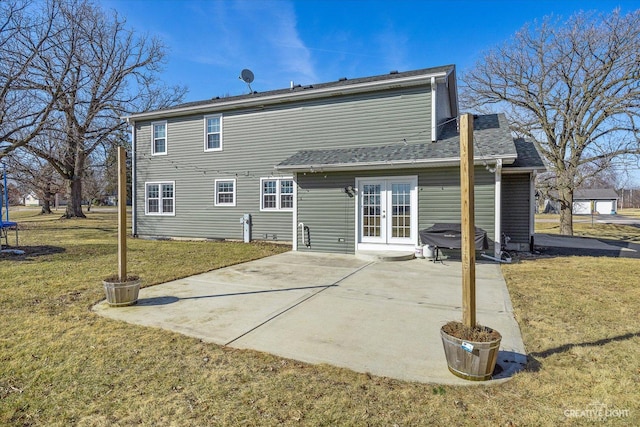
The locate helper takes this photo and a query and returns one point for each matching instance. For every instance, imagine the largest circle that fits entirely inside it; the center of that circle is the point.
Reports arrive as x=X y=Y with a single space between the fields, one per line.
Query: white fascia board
x=391 y=164
x=295 y=95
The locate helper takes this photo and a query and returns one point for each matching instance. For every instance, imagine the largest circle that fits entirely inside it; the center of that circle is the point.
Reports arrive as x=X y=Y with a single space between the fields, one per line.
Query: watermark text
x=597 y=411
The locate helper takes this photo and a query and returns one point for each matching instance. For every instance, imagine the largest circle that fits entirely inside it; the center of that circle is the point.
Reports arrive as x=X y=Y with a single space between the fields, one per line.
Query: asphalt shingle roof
x=528 y=156
x=311 y=87
x=492 y=139
x=595 y=194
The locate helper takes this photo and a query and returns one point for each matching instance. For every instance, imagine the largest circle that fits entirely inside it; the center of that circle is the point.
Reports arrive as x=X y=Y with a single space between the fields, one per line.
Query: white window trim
x=146 y=198
x=215 y=192
x=206 y=118
x=153 y=138
x=278 y=208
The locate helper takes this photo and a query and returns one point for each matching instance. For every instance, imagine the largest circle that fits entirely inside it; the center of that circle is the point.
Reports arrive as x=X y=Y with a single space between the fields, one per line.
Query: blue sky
x=312 y=41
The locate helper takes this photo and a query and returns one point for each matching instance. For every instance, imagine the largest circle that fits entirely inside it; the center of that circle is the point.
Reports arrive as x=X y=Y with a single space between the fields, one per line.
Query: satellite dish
x=247 y=76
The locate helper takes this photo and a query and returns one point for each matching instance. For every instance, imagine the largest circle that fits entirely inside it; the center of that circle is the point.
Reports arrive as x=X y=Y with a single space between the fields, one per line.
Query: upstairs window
x=159 y=198
x=276 y=194
x=213 y=133
x=159 y=138
x=225 y=192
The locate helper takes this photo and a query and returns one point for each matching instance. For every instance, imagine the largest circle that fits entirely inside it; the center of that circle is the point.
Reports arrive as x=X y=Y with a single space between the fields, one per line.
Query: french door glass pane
x=371 y=210
x=401 y=210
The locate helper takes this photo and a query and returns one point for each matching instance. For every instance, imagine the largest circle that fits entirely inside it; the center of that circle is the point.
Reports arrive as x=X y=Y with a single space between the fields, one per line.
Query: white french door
x=387 y=213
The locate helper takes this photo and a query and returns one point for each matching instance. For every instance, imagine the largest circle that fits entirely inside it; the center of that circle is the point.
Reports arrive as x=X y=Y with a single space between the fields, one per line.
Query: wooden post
x=468 y=221
x=122 y=214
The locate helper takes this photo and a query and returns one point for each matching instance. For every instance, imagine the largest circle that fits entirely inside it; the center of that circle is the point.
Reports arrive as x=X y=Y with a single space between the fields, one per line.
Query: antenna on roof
x=246 y=76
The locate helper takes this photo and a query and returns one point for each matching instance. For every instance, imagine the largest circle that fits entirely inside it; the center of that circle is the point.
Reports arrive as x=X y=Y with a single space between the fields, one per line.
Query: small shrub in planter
x=476 y=334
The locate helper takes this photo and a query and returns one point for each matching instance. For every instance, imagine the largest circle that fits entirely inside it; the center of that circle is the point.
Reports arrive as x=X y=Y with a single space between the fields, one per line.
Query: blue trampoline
x=5 y=224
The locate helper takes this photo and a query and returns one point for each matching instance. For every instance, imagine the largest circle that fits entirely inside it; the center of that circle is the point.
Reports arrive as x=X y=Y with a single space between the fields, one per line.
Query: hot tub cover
x=449 y=235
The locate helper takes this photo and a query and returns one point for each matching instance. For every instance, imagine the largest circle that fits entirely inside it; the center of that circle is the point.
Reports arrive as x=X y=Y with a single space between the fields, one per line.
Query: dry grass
x=631 y=212
x=583 y=227
x=60 y=364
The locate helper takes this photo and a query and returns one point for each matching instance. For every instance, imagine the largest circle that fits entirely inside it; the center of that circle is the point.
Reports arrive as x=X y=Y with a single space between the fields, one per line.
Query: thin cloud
x=394 y=49
x=259 y=35
x=285 y=42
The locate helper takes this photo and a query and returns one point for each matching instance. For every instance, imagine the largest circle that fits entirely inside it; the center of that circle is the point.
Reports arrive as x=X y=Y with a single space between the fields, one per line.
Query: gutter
x=388 y=164
x=529 y=169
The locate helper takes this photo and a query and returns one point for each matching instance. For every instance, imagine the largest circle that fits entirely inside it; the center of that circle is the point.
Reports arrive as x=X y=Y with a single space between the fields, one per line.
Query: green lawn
x=61 y=364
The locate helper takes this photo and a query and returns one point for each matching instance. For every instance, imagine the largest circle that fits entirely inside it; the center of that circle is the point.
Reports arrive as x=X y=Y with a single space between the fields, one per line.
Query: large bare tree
x=26 y=97
x=573 y=89
x=112 y=72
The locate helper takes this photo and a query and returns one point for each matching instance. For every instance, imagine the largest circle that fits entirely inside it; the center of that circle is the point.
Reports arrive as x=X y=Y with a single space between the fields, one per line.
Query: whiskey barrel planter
x=120 y=294
x=471 y=360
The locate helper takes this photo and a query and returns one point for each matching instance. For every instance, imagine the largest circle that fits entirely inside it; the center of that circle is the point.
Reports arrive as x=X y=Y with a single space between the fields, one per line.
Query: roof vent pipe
x=291 y=87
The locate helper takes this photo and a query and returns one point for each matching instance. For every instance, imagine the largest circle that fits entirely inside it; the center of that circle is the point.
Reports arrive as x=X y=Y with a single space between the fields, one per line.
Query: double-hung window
x=160 y=198
x=225 y=192
x=158 y=138
x=276 y=194
x=213 y=133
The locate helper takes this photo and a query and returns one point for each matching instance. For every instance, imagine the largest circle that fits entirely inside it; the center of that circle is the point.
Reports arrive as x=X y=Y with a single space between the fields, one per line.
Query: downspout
x=532 y=213
x=434 y=118
x=295 y=213
x=134 y=216
x=497 y=248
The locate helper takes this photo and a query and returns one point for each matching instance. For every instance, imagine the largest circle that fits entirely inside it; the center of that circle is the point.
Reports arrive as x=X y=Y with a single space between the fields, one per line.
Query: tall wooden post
x=468 y=221
x=122 y=214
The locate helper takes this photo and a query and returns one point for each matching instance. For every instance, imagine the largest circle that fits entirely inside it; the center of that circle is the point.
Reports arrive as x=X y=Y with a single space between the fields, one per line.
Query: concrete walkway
x=383 y=318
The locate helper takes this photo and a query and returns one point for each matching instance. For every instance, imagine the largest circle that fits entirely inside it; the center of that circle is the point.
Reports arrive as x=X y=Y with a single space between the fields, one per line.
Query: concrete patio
x=383 y=318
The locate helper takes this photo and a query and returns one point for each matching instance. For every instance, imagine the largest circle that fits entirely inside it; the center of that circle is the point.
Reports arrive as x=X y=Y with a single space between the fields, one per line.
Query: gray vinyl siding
x=439 y=198
x=327 y=210
x=330 y=213
x=254 y=141
x=516 y=196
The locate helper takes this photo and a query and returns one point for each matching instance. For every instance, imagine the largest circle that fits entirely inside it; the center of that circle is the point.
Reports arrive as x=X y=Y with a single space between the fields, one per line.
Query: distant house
x=603 y=201
x=31 y=200
x=346 y=166
x=110 y=200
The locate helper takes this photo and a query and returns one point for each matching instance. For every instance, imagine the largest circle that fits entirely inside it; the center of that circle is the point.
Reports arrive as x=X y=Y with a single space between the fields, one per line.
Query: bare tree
x=573 y=88
x=112 y=72
x=110 y=154
x=34 y=174
x=629 y=198
x=25 y=105
x=93 y=184
x=607 y=177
